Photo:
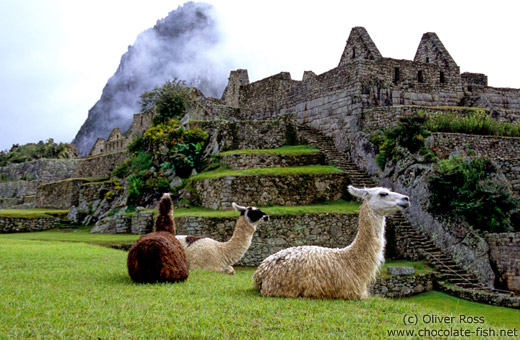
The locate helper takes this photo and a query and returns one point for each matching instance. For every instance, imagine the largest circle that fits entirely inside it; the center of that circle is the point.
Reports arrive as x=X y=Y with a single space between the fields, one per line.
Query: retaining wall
x=504 y=253
x=17 y=224
x=401 y=286
x=255 y=161
x=284 y=190
x=99 y=166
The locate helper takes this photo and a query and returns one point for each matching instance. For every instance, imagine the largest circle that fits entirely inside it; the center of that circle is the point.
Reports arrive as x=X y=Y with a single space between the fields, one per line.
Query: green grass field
x=65 y=290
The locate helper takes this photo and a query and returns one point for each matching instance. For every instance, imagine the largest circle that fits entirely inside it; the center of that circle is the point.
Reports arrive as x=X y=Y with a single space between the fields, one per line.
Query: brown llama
x=158 y=256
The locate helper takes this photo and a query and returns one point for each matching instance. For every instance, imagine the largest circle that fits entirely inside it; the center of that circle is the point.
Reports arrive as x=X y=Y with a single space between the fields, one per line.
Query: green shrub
x=136 y=145
x=135 y=188
x=409 y=133
x=169 y=101
x=468 y=188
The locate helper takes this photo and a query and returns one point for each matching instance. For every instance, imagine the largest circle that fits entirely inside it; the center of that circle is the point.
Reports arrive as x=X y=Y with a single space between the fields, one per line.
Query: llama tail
x=164 y=220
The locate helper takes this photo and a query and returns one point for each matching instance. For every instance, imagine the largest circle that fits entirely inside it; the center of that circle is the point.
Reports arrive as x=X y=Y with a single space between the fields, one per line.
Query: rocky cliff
x=179 y=46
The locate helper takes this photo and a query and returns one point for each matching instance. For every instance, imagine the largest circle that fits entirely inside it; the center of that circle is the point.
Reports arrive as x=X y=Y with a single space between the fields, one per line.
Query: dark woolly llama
x=159 y=256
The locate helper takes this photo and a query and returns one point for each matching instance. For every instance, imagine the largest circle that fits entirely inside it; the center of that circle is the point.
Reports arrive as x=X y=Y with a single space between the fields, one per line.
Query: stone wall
x=41 y=170
x=511 y=169
x=285 y=190
x=233 y=135
x=504 y=252
x=493 y=147
x=17 y=189
x=466 y=247
x=59 y=195
x=402 y=286
x=502 y=300
x=255 y=161
x=25 y=202
x=17 y=225
x=99 y=166
x=21 y=180
x=141 y=222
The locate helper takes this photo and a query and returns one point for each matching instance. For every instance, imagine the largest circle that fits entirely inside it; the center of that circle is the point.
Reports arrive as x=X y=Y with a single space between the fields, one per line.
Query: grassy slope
x=33 y=213
x=64 y=290
x=299 y=170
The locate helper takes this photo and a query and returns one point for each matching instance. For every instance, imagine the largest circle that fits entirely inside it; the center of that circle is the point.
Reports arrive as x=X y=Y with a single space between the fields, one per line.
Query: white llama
x=206 y=253
x=318 y=272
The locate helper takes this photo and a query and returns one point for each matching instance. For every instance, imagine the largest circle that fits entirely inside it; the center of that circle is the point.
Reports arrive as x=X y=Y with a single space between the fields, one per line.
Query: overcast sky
x=57 y=55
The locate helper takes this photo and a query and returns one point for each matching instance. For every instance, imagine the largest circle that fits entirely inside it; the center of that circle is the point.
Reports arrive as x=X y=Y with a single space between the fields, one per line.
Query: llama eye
x=383 y=194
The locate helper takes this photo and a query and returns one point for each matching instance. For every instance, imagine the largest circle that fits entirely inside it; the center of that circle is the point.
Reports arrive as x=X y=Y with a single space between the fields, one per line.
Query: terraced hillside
x=305 y=195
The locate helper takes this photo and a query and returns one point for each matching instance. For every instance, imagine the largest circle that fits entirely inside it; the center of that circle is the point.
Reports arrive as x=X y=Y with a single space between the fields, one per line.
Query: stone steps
x=448 y=270
x=326 y=145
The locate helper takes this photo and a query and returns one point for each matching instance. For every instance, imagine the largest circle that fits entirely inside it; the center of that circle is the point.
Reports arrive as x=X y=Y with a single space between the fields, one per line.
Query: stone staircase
x=449 y=271
x=326 y=145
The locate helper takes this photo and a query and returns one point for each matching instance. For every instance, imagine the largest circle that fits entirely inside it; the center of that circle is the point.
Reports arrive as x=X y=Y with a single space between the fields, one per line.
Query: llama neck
x=164 y=220
x=369 y=243
x=236 y=247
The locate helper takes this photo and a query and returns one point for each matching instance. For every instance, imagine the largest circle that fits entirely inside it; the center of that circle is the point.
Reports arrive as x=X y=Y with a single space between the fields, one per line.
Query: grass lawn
x=33 y=213
x=63 y=290
x=81 y=234
x=284 y=150
x=296 y=170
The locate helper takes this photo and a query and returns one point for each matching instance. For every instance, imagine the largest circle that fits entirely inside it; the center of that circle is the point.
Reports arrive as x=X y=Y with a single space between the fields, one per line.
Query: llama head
x=381 y=200
x=253 y=215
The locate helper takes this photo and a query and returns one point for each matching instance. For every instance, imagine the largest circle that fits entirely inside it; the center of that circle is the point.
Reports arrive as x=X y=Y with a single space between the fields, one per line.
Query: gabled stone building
x=117 y=141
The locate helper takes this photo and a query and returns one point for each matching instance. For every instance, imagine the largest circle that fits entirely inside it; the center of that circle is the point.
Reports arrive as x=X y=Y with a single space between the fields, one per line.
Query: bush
x=169 y=101
x=409 y=133
x=467 y=188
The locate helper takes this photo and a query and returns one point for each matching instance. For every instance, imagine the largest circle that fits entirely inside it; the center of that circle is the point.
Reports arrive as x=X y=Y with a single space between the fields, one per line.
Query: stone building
x=117 y=141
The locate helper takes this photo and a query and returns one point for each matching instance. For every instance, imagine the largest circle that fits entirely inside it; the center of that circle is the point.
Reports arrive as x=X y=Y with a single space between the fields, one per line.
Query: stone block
x=401 y=270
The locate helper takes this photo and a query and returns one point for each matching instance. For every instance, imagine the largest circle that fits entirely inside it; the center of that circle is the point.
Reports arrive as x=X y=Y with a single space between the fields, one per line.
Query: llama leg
x=229 y=270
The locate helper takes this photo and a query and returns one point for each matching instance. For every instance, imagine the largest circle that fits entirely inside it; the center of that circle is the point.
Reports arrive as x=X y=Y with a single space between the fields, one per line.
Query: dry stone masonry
x=284 y=190
x=18 y=225
x=504 y=250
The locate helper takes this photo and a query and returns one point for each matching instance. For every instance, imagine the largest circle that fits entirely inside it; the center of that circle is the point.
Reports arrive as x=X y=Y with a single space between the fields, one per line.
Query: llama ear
x=361 y=193
x=238 y=207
